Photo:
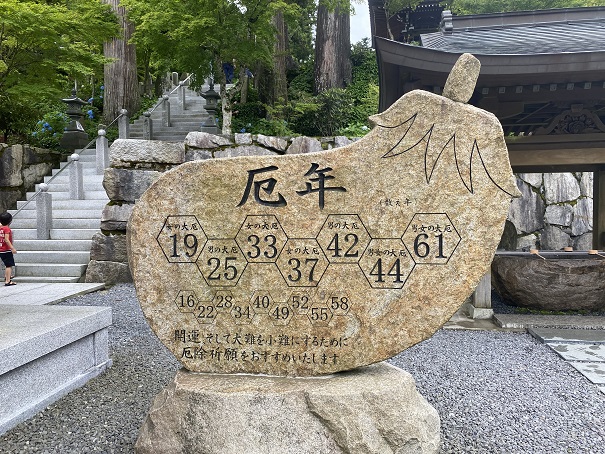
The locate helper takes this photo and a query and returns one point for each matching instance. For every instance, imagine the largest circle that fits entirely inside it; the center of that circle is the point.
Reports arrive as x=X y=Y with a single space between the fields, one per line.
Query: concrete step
x=64 y=194
x=56 y=234
x=22 y=223
x=46 y=352
x=186 y=127
x=68 y=204
x=52 y=245
x=84 y=158
x=56 y=257
x=177 y=115
x=50 y=270
x=163 y=138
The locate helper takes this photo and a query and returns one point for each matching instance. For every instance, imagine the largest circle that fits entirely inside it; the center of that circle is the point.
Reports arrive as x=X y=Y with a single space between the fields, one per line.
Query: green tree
x=195 y=36
x=498 y=6
x=44 y=48
x=392 y=7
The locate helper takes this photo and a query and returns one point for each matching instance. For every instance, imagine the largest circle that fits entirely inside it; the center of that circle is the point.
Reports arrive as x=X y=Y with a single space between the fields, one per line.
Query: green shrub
x=48 y=131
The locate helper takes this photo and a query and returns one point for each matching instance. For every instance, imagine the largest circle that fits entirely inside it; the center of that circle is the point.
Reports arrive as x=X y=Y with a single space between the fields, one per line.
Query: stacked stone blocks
x=555 y=211
x=21 y=167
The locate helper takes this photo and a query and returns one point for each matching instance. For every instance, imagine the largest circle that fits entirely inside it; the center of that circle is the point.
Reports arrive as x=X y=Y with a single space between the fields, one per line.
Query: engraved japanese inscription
x=310 y=264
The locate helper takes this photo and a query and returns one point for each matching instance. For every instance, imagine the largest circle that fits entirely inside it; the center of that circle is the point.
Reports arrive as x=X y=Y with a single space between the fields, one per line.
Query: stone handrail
x=76 y=177
x=165 y=103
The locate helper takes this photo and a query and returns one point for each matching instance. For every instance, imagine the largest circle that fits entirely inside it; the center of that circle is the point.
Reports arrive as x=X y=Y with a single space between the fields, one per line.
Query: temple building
x=542 y=75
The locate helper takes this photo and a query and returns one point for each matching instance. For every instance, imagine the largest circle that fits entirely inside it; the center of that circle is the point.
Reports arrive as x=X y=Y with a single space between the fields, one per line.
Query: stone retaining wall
x=21 y=167
x=555 y=210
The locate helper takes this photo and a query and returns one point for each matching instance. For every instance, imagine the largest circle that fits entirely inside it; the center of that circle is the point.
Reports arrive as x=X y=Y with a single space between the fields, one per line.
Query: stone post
x=175 y=79
x=76 y=180
x=166 y=111
x=182 y=100
x=44 y=213
x=124 y=125
x=481 y=300
x=147 y=126
x=102 y=151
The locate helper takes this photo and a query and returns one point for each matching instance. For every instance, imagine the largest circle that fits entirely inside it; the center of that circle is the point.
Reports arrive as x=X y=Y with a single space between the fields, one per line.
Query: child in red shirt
x=6 y=247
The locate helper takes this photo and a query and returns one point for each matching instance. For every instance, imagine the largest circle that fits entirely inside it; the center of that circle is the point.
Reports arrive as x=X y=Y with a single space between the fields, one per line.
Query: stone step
x=45 y=352
x=57 y=234
x=52 y=257
x=21 y=223
x=88 y=178
x=68 y=204
x=86 y=170
x=62 y=214
x=53 y=245
x=50 y=270
x=48 y=280
x=176 y=138
x=175 y=117
x=189 y=126
x=59 y=194
x=86 y=159
x=56 y=187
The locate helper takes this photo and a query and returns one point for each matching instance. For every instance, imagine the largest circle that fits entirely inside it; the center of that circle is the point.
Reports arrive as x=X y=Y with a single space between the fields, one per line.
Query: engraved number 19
x=190 y=243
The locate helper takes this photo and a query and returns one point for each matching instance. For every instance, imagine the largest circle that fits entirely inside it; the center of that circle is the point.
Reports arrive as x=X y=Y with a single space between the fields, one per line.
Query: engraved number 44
x=394 y=271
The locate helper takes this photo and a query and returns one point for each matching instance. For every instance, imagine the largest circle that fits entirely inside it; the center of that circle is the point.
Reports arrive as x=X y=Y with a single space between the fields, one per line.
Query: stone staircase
x=182 y=121
x=64 y=257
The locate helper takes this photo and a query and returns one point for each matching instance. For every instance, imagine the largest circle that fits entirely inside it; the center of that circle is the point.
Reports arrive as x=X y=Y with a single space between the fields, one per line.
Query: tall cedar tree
x=332 y=47
x=120 y=75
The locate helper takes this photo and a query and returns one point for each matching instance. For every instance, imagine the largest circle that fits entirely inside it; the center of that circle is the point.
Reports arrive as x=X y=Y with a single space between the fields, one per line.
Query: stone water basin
x=554 y=281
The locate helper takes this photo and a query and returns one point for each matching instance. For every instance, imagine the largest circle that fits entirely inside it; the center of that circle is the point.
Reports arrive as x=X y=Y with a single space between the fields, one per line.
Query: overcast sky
x=360 y=22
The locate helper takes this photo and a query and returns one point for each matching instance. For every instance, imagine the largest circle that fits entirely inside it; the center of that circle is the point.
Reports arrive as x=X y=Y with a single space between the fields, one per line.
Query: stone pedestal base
x=375 y=409
x=478 y=313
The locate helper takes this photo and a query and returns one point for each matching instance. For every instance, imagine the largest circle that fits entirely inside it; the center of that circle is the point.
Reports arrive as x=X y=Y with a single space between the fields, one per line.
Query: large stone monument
x=296 y=267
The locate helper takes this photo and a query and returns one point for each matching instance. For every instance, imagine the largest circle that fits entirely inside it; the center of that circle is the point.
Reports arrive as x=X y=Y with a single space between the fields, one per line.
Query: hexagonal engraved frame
x=413 y=245
x=217 y=272
x=265 y=238
x=174 y=249
x=395 y=251
x=355 y=238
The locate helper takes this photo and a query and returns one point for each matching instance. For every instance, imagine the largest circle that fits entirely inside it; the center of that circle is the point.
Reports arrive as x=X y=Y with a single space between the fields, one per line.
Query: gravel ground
x=495 y=392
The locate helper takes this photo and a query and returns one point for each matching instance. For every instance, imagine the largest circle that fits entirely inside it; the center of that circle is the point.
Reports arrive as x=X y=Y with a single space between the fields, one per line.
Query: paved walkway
x=584 y=349
x=31 y=294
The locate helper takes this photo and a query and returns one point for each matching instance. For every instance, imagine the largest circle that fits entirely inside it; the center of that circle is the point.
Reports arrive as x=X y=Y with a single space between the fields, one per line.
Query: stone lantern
x=211 y=106
x=74 y=136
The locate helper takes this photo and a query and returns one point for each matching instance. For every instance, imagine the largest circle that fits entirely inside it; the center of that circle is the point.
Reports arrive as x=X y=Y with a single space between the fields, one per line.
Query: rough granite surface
x=310 y=264
x=375 y=410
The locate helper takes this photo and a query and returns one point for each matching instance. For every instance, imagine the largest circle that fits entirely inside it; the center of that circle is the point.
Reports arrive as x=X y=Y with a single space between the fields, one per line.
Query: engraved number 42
x=351 y=241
